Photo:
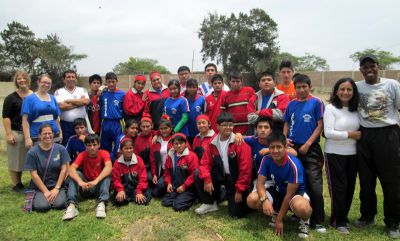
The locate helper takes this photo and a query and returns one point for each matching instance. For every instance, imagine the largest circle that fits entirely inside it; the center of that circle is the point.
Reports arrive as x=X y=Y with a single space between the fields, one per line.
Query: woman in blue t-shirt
x=177 y=108
x=40 y=108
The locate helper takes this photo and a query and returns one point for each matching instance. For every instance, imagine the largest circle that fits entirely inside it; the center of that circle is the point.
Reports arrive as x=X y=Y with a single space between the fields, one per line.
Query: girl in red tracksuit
x=129 y=177
x=133 y=100
x=179 y=171
x=158 y=155
x=206 y=134
x=143 y=142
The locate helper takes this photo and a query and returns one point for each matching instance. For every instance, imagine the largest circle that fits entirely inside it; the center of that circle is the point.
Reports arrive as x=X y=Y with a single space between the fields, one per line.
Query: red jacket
x=213 y=108
x=136 y=167
x=188 y=159
x=142 y=147
x=235 y=102
x=155 y=154
x=240 y=163
x=199 y=143
x=153 y=95
x=133 y=104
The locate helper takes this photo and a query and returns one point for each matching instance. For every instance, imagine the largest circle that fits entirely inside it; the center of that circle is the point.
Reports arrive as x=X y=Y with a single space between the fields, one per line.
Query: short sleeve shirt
x=12 y=110
x=36 y=161
x=63 y=94
x=175 y=108
x=92 y=166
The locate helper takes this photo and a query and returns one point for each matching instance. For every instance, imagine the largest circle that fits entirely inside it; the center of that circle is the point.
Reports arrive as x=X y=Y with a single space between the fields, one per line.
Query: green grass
x=155 y=222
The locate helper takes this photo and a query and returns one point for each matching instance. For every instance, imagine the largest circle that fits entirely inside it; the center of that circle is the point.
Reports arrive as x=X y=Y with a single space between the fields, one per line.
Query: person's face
x=46 y=136
x=302 y=90
x=370 y=71
x=218 y=85
x=95 y=85
x=80 y=130
x=127 y=150
x=235 y=83
x=145 y=127
x=210 y=71
x=165 y=130
x=156 y=82
x=345 y=92
x=70 y=80
x=192 y=90
x=203 y=126
x=22 y=82
x=286 y=75
x=132 y=130
x=183 y=76
x=92 y=148
x=277 y=151
x=139 y=85
x=44 y=84
x=267 y=84
x=179 y=146
x=263 y=130
x=174 y=91
x=112 y=84
x=225 y=129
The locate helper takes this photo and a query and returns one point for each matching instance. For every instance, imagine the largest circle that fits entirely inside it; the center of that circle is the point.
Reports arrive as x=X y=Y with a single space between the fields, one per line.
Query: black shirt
x=12 y=109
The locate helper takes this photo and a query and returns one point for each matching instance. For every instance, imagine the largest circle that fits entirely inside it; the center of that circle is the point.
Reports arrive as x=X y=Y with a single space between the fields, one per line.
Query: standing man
x=72 y=101
x=286 y=85
x=93 y=109
x=183 y=75
x=236 y=100
x=379 y=145
x=206 y=88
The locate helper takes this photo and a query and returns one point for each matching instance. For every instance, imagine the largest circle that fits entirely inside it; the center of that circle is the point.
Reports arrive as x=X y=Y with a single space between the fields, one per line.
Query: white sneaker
x=304 y=229
x=101 y=210
x=71 y=212
x=206 y=208
x=319 y=228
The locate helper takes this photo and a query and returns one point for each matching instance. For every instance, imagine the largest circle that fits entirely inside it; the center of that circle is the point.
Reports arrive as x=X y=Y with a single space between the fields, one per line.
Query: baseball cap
x=368 y=57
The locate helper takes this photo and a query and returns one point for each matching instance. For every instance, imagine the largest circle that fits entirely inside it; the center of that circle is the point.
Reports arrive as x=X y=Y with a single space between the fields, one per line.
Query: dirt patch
x=203 y=235
x=142 y=230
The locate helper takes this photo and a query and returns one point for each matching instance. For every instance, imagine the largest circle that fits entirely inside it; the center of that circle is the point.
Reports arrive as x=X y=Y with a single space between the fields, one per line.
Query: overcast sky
x=111 y=31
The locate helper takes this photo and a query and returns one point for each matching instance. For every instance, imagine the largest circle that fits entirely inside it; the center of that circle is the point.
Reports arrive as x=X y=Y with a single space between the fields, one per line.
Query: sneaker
x=18 y=188
x=363 y=222
x=319 y=228
x=393 y=233
x=70 y=213
x=304 y=229
x=206 y=208
x=273 y=220
x=343 y=230
x=101 y=210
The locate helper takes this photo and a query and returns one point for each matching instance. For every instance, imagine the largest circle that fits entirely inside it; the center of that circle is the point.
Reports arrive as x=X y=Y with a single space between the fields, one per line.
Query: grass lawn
x=155 y=222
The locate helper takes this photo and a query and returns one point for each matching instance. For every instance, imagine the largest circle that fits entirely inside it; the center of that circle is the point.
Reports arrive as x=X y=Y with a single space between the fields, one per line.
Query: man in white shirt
x=206 y=87
x=71 y=100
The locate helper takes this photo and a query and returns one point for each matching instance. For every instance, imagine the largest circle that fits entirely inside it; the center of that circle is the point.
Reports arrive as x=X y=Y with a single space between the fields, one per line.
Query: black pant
x=312 y=163
x=235 y=209
x=179 y=201
x=341 y=173
x=379 y=152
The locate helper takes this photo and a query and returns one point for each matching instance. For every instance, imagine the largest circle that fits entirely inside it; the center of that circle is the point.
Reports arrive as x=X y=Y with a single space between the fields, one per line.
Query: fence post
x=323 y=81
x=352 y=74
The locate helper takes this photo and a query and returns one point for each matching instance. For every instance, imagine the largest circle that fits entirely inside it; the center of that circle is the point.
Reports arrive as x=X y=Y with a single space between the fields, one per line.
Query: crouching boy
x=224 y=163
x=92 y=180
x=289 y=190
x=129 y=177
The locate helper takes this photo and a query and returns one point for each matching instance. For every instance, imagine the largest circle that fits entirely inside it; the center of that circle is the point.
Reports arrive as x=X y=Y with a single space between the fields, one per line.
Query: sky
x=110 y=32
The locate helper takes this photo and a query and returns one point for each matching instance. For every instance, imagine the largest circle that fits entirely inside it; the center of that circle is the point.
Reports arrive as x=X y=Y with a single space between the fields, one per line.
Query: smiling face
x=174 y=91
x=165 y=130
x=225 y=129
x=345 y=93
x=132 y=130
x=22 y=82
x=46 y=136
x=156 y=82
x=139 y=85
x=127 y=150
x=44 y=84
x=370 y=71
x=70 y=80
x=277 y=151
x=203 y=126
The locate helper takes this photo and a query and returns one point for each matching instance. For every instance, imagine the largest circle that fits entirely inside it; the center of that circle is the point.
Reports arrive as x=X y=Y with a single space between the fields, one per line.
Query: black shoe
x=363 y=222
x=18 y=188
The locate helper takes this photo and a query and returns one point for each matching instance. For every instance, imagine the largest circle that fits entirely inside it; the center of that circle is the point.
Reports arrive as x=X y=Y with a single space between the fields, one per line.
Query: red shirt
x=213 y=108
x=92 y=166
x=95 y=113
x=133 y=104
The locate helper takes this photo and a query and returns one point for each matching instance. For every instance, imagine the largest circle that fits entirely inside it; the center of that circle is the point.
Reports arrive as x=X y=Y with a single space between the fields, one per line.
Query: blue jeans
x=100 y=191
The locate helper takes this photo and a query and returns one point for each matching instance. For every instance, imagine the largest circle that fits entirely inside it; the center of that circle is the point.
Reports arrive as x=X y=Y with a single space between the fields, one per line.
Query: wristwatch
x=57 y=187
x=262 y=199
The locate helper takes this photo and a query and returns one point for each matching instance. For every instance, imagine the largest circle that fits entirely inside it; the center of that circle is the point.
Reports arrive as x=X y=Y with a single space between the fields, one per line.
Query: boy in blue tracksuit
x=111 y=102
x=196 y=106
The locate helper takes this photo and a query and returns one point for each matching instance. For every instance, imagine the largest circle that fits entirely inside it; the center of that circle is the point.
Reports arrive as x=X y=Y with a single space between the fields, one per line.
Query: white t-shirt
x=337 y=123
x=224 y=154
x=207 y=89
x=379 y=103
x=64 y=94
x=163 y=152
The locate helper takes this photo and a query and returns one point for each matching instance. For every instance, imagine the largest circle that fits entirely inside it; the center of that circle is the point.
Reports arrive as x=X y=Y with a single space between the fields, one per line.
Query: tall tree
x=246 y=42
x=386 y=59
x=311 y=62
x=139 y=65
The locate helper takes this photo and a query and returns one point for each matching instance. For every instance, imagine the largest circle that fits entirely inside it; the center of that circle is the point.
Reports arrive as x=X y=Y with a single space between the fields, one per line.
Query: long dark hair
x=353 y=103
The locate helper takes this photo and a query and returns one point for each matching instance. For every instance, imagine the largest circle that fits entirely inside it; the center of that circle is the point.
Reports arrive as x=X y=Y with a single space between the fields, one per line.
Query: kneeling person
x=287 y=173
x=130 y=177
x=93 y=179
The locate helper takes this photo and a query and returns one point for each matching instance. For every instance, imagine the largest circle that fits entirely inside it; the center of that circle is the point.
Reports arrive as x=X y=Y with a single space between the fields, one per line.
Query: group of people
x=184 y=142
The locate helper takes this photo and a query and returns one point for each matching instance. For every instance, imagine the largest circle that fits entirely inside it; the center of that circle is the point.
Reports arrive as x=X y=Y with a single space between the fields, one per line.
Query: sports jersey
x=206 y=88
x=196 y=107
x=303 y=117
x=213 y=108
x=93 y=110
x=252 y=141
x=290 y=90
x=174 y=108
x=40 y=112
x=63 y=94
x=290 y=171
x=75 y=146
x=92 y=166
x=111 y=104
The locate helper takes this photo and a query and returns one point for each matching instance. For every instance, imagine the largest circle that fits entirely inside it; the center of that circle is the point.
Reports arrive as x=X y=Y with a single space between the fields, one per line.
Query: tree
x=311 y=62
x=386 y=59
x=246 y=42
x=139 y=65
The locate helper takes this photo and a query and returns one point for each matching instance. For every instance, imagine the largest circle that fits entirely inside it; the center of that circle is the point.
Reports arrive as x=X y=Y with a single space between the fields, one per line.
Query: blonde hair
x=22 y=73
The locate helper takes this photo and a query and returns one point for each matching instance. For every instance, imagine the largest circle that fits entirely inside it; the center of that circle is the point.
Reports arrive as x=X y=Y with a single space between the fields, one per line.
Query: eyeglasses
x=226 y=125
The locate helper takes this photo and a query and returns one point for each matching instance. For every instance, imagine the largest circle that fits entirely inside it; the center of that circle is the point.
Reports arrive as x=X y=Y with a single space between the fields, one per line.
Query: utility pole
x=192 y=60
